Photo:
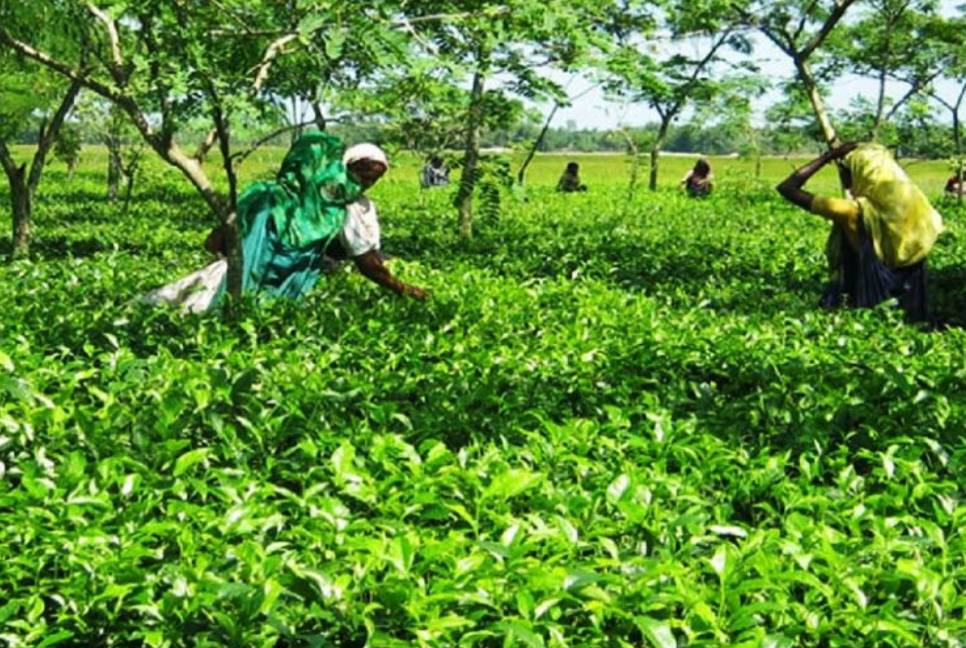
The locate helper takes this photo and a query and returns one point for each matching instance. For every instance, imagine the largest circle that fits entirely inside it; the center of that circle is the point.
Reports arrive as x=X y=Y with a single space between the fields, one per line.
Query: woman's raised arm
x=791 y=187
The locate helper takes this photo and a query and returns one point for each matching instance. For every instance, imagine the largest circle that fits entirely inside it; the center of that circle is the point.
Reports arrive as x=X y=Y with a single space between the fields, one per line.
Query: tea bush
x=603 y=429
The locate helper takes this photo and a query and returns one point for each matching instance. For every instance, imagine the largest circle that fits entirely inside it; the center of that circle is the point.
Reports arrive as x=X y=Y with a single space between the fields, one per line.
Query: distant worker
x=954 y=186
x=570 y=180
x=699 y=181
x=880 y=236
x=315 y=208
x=435 y=173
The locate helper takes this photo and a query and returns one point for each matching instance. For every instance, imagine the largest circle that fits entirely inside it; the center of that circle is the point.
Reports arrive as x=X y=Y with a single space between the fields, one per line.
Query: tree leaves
x=188 y=460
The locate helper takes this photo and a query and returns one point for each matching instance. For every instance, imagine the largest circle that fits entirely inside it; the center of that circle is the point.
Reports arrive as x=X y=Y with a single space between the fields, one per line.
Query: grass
x=601 y=170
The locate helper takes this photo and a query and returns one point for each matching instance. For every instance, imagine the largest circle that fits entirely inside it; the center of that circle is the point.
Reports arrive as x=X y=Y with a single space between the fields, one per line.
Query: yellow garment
x=839 y=211
x=898 y=217
x=835 y=209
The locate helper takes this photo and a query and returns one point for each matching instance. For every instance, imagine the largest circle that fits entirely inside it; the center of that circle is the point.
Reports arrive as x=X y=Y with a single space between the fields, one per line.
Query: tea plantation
x=613 y=424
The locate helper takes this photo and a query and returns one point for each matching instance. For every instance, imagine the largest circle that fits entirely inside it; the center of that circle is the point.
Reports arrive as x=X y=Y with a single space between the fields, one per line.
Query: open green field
x=602 y=170
x=613 y=424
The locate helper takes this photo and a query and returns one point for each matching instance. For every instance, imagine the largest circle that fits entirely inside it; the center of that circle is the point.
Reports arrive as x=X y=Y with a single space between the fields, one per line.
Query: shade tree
x=31 y=98
x=165 y=63
x=688 y=68
x=502 y=49
x=799 y=29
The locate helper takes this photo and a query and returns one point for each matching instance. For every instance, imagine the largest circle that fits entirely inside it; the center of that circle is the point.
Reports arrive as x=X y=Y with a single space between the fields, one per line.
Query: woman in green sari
x=315 y=207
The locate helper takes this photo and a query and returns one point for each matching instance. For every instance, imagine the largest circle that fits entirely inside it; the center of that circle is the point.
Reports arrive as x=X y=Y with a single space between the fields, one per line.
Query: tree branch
x=942 y=100
x=916 y=86
x=50 y=134
x=205 y=145
x=167 y=149
x=716 y=45
x=240 y=156
x=841 y=6
x=64 y=69
x=754 y=22
x=252 y=33
x=446 y=17
x=116 y=66
x=319 y=116
x=803 y=21
x=953 y=107
x=749 y=19
x=402 y=23
x=6 y=160
x=272 y=52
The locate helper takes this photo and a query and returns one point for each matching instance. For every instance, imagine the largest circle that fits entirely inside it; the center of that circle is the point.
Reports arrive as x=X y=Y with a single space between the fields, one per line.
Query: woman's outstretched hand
x=416 y=293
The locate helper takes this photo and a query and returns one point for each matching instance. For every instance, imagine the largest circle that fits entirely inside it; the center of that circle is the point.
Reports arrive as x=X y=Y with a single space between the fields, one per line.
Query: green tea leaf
x=657 y=633
x=189 y=460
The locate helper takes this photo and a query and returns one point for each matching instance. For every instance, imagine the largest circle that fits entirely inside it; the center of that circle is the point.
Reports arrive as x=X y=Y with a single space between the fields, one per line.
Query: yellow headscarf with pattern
x=897 y=215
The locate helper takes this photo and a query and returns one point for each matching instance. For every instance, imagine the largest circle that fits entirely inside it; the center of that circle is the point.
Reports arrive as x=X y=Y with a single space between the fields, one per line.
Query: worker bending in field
x=570 y=179
x=954 y=187
x=880 y=236
x=435 y=173
x=699 y=181
x=316 y=207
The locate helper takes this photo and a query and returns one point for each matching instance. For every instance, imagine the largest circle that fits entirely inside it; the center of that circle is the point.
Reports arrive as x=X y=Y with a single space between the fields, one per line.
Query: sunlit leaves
x=610 y=430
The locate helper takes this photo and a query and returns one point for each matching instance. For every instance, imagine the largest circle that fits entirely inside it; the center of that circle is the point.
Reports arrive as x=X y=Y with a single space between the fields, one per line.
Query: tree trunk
x=821 y=112
x=115 y=169
x=886 y=65
x=818 y=105
x=296 y=120
x=958 y=142
x=20 y=206
x=129 y=174
x=521 y=175
x=880 y=107
x=234 y=280
x=758 y=164
x=233 y=249
x=635 y=167
x=958 y=139
x=24 y=181
x=319 y=116
x=656 y=152
x=471 y=155
x=960 y=176
x=20 y=203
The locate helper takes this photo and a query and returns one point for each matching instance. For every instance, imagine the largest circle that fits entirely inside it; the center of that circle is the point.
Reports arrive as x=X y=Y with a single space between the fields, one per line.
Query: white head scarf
x=365 y=152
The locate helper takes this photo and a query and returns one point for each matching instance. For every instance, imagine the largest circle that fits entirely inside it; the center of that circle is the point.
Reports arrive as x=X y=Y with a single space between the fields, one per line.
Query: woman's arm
x=791 y=187
x=371 y=266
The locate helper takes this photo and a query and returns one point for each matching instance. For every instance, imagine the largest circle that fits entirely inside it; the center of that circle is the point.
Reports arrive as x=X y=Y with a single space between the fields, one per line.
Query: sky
x=593 y=110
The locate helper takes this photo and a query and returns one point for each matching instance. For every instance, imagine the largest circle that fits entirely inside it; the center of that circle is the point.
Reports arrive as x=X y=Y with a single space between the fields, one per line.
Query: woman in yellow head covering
x=881 y=235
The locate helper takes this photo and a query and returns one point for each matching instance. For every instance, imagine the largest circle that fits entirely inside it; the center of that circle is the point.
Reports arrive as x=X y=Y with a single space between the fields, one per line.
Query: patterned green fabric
x=286 y=224
x=309 y=196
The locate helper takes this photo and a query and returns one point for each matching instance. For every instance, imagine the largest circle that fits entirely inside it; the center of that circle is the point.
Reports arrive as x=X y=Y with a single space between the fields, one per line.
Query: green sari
x=286 y=224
